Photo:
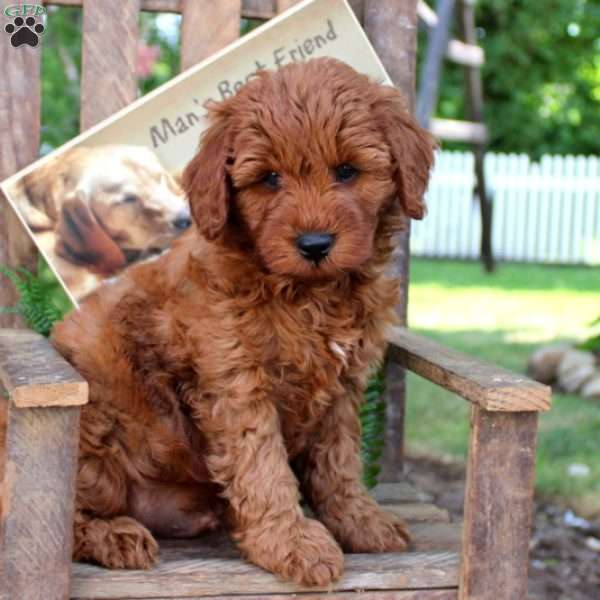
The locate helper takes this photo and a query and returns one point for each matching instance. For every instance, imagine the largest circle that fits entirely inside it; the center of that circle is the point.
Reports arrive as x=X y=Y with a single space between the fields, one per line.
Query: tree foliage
x=541 y=77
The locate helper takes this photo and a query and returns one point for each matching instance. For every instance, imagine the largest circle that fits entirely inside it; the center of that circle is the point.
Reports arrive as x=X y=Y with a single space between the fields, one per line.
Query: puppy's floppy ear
x=82 y=240
x=412 y=149
x=206 y=180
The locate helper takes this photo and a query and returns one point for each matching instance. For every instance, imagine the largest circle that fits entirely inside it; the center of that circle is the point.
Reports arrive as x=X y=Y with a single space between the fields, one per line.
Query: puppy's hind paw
x=118 y=543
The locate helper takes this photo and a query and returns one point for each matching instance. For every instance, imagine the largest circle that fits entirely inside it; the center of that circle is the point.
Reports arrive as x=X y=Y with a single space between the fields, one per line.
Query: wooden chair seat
x=40 y=402
x=196 y=568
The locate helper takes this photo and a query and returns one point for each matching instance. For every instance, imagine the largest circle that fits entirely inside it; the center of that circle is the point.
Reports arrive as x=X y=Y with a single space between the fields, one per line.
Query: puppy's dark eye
x=272 y=180
x=129 y=199
x=345 y=173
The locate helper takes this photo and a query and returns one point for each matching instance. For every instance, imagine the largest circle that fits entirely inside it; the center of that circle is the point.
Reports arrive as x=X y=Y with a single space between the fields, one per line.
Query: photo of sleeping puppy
x=226 y=376
x=94 y=210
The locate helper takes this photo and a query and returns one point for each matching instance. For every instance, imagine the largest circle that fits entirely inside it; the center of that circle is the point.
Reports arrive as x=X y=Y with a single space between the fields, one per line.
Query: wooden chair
x=42 y=393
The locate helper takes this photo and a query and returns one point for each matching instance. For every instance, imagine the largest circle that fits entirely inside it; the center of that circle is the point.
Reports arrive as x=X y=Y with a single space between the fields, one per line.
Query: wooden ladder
x=467 y=53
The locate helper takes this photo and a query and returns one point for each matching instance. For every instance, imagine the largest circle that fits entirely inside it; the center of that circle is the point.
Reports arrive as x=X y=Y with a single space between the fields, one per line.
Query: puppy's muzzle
x=315 y=246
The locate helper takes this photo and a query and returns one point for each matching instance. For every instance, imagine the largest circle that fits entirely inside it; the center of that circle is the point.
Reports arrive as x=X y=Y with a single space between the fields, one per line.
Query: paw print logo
x=24 y=31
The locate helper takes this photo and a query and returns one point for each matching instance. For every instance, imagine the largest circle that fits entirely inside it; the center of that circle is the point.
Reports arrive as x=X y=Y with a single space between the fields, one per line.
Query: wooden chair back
x=109 y=82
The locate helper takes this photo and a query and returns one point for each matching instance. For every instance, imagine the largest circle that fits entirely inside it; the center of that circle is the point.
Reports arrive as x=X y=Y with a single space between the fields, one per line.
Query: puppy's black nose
x=315 y=246
x=182 y=221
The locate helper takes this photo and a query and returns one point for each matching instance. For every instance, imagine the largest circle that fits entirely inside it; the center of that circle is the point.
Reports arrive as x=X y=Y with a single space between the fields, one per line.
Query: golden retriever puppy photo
x=95 y=210
x=226 y=376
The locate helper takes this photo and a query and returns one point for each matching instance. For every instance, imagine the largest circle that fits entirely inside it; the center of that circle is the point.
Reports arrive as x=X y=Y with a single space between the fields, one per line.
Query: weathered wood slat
x=36 y=516
x=20 y=135
x=419 y=512
x=110 y=40
x=488 y=386
x=191 y=566
x=258 y=9
x=459 y=131
x=436 y=536
x=392 y=29
x=34 y=374
x=251 y=9
x=207 y=26
x=498 y=505
x=282 y=5
x=414 y=570
x=213 y=563
x=395 y=493
x=446 y=594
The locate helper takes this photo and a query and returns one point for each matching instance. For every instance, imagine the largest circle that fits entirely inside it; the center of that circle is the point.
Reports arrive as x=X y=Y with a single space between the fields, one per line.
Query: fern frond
x=372 y=418
x=36 y=303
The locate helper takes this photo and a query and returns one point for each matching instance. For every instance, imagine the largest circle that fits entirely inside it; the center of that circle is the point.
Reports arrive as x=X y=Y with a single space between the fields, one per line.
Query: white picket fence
x=544 y=212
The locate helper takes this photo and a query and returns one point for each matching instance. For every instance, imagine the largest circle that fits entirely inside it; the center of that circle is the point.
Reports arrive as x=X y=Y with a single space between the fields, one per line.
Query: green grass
x=502 y=318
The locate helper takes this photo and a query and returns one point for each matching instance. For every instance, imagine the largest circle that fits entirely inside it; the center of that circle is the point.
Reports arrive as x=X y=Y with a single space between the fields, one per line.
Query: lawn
x=501 y=318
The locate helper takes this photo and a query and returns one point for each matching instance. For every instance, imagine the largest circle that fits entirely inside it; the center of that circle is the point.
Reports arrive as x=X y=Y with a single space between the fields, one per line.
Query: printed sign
x=111 y=197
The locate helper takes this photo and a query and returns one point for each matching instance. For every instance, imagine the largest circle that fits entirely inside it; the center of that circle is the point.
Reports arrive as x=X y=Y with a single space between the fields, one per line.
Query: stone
x=543 y=364
x=591 y=388
x=575 y=369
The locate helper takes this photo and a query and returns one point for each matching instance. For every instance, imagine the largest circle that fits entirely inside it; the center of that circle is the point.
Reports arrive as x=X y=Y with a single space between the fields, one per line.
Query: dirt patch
x=565 y=549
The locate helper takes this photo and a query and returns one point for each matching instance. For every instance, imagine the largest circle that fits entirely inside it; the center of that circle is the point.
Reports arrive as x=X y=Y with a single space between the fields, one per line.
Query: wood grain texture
x=498 y=505
x=283 y=5
x=447 y=594
x=192 y=567
x=20 y=135
x=486 y=385
x=36 y=523
x=109 y=58
x=419 y=512
x=207 y=26
x=258 y=9
x=397 y=493
x=34 y=374
x=252 y=9
x=189 y=577
x=392 y=29
x=435 y=536
x=212 y=565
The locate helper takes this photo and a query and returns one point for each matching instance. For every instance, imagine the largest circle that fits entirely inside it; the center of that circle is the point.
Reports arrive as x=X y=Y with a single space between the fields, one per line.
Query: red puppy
x=225 y=376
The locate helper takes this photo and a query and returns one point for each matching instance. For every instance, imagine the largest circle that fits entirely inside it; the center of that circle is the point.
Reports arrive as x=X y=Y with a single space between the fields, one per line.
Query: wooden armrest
x=489 y=386
x=35 y=374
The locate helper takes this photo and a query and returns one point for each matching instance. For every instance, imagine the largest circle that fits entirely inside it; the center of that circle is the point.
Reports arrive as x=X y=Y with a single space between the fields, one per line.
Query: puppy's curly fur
x=225 y=376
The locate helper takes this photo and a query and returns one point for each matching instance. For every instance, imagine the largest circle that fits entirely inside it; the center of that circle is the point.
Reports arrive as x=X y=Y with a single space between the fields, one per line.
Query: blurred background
x=540 y=155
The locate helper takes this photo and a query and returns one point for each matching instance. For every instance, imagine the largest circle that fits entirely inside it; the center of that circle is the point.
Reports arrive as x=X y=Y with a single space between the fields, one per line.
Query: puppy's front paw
x=376 y=531
x=308 y=555
x=314 y=558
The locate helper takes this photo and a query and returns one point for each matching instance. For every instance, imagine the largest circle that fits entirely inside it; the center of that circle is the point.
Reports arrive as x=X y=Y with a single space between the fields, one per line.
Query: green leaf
x=36 y=299
x=372 y=417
